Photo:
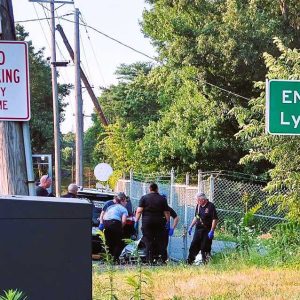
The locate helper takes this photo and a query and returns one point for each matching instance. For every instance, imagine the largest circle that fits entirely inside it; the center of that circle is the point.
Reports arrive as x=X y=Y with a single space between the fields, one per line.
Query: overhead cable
x=43 y=19
x=142 y=53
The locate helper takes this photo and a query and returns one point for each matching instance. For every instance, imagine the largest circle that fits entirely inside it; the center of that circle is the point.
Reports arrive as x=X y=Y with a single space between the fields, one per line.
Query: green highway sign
x=283 y=107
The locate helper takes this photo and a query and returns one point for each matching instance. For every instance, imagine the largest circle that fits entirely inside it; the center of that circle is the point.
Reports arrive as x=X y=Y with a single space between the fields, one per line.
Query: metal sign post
x=14 y=81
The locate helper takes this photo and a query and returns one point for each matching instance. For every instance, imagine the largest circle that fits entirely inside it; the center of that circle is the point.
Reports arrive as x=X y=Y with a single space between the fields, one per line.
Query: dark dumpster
x=45 y=247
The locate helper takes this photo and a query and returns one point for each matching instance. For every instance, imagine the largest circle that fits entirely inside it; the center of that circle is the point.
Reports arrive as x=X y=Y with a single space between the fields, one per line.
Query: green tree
x=223 y=39
x=282 y=152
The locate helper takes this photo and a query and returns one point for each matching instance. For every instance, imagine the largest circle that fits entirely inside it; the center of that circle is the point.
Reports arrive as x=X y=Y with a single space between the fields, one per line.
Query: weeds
x=13 y=295
x=109 y=263
x=139 y=280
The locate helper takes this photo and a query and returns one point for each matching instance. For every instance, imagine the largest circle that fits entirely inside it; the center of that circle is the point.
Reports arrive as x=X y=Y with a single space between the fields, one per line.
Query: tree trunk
x=13 y=175
x=284 y=10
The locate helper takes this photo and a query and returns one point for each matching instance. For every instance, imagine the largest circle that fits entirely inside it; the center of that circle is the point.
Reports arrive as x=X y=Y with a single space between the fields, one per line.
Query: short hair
x=44 y=179
x=121 y=196
x=73 y=188
x=201 y=195
x=153 y=187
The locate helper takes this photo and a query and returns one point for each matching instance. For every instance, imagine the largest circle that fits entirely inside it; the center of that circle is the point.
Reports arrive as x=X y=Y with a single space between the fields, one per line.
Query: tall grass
x=265 y=267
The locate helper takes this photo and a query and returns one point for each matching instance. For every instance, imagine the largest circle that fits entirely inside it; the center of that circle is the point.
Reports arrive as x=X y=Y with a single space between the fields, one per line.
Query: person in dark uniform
x=153 y=208
x=45 y=183
x=114 y=220
x=206 y=220
x=169 y=231
x=72 y=191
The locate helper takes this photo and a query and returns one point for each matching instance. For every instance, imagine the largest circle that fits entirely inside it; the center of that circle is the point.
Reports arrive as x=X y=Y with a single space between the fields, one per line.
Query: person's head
x=73 y=188
x=121 y=198
x=153 y=187
x=45 y=181
x=201 y=199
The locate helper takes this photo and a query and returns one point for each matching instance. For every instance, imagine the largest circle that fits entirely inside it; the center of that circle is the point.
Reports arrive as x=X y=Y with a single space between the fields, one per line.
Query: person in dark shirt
x=153 y=208
x=72 y=191
x=205 y=220
x=45 y=183
x=169 y=231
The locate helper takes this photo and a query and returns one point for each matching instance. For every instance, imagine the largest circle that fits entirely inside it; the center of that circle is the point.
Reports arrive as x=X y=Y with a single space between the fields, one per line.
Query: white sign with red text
x=14 y=81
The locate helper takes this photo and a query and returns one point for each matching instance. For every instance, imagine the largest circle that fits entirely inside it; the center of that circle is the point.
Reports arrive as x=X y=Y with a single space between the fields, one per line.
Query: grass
x=209 y=282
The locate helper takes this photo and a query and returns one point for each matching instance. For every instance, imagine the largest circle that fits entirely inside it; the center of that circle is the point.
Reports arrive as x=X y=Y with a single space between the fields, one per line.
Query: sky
x=100 y=56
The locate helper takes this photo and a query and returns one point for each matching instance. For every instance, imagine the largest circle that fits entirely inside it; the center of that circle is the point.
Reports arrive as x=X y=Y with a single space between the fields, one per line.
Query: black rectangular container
x=45 y=247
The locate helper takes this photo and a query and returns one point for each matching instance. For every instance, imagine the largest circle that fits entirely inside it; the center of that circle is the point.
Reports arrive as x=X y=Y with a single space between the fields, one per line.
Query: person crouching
x=114 y=221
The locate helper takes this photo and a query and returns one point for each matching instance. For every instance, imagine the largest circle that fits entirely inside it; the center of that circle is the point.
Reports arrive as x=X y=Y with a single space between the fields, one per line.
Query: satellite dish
x=103 y=171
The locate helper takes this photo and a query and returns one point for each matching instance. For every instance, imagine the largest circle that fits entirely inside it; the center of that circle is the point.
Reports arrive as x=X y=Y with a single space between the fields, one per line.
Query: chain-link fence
x=231 y=196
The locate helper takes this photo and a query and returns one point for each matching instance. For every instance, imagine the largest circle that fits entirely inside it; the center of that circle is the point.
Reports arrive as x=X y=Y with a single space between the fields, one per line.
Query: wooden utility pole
x=84 y=78
x=56 y=123
x=13 y=176
x=78 y=109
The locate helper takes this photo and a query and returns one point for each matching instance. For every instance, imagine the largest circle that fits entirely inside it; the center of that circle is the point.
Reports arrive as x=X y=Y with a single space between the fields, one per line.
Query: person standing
x=153 y=207
x=168 y=232
x=72 y=191
x=45 y=183
x=114 y=219
x=205 y=220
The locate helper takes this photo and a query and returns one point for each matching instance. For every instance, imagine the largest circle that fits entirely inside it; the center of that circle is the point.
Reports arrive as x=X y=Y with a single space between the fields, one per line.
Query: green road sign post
x=283 y=107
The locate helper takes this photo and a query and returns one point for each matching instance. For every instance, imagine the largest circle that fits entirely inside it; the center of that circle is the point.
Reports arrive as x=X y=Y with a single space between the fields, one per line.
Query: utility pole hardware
x=84 y=78
x=56 y=123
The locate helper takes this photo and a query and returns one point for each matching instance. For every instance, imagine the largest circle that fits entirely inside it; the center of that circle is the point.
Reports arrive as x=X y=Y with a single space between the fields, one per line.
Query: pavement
x=178 y=252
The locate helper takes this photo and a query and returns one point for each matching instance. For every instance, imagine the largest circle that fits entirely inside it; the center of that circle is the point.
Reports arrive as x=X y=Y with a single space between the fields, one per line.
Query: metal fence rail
x=231 y=197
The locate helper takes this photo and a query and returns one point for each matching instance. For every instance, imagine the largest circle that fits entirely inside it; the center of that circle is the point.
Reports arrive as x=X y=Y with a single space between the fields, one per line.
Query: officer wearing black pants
x=153 y=208
x=114 y=220
x=169 y=231
x=206 y=220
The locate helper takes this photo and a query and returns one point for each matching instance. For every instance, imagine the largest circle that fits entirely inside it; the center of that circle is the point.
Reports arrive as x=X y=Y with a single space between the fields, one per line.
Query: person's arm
x=101 y=216
x=138 y=213
x=167 y=215
x=214 y=224
x=175 y=222
x=193 y=223
x=124 y=218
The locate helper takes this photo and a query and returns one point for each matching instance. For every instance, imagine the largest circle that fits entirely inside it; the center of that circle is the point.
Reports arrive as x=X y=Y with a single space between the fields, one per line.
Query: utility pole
x=13 y=175
x=78 y=109
x=56 y=123
x=84 y=78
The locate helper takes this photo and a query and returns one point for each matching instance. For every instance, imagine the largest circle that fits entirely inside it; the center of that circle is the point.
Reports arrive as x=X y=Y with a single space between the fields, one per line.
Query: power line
x=42 y=19
x=152 y=58
x=224 y=90
x=60 y=51
x=38 y=19
x=93 y=50
x=113 y=39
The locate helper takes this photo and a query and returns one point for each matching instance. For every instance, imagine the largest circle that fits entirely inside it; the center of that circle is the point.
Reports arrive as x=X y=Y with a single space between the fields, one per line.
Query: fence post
x=211 y=188
x=185 y=225
x=172 y=180
x=172 y=187
x=130 y=184
x=200 y=182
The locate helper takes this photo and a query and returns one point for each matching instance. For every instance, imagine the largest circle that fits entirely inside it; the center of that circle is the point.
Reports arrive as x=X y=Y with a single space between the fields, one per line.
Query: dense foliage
x=282 y=151
x=186 y=111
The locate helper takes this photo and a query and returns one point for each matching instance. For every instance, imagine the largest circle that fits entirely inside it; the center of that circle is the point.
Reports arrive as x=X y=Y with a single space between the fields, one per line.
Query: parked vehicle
x=98 y=198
